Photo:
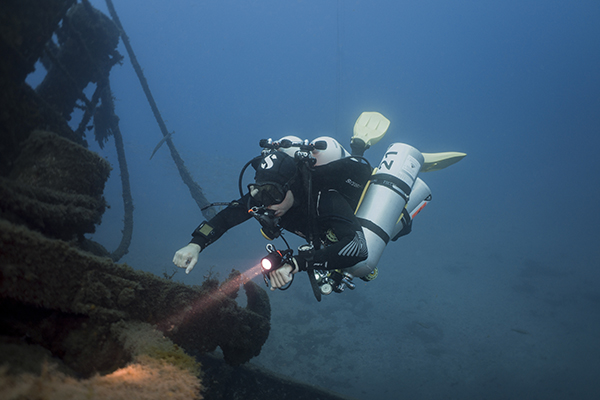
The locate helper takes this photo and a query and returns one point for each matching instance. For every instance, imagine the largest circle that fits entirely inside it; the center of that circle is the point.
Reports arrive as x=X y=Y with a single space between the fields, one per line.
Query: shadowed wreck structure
x=73 y=322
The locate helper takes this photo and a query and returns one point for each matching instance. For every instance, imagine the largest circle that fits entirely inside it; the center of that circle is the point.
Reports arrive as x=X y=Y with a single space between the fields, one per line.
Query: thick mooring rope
x=107 y=101
x=195 y=189
x=111 y=124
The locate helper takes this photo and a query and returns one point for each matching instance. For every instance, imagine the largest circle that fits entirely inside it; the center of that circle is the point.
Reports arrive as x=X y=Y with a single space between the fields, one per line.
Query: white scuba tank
x=394 y=182
x=385 y=199
x=333 y=152
x=291 y=151
x=420 y=196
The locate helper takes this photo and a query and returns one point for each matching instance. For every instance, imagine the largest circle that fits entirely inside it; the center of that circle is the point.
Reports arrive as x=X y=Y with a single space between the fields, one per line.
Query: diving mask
x=267 y=193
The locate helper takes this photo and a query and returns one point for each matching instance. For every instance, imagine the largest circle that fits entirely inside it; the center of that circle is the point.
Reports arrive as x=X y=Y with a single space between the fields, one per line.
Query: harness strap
x=375 y=229
x=393 y=183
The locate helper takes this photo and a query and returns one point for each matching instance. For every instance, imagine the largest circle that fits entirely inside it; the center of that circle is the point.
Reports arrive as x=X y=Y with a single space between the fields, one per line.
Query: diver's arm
x=350 y=248
x=209 y=231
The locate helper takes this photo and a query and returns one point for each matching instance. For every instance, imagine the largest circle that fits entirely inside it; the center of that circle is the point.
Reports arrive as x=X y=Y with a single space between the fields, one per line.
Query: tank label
x=411 y=167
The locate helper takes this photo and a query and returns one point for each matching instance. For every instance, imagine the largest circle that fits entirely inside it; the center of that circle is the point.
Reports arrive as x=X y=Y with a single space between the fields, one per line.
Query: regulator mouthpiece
x=270 y=228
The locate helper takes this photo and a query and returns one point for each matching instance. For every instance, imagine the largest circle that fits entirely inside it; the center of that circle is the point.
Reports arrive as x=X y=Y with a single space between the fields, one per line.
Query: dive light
x=274 y=260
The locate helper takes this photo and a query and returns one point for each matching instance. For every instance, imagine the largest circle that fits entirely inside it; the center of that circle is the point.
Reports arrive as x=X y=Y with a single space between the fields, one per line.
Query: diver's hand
x=282 y=276
x=187 y=257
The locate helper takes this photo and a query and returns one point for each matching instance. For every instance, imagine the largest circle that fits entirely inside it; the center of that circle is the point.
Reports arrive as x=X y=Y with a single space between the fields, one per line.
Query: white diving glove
x=283 y=275
x=187 y=257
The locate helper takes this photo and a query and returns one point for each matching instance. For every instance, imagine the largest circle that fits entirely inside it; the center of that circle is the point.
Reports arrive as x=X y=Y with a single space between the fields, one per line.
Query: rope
x=107 y=100
x=338 y=69
x=88 y=112
x=195 y=189
x=111 y=121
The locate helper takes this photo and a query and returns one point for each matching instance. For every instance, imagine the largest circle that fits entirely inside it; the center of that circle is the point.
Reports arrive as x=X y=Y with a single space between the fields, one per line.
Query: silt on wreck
x=72 y=320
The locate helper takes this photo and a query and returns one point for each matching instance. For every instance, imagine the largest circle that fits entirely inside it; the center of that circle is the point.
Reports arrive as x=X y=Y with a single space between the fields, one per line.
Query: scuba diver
x=346 y=211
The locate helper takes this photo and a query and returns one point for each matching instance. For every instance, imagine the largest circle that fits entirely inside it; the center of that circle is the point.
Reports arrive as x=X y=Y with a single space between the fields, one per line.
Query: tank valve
x=347 y=280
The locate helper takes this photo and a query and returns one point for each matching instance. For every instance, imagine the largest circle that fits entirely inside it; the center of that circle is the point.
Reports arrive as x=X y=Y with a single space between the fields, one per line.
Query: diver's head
x=275 y=174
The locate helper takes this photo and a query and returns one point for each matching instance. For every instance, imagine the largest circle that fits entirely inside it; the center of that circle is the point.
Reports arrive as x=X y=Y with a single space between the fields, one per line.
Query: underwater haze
x=496 y=292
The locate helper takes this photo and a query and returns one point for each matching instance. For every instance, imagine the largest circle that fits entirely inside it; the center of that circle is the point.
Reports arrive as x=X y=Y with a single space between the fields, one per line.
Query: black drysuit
x=339 y=239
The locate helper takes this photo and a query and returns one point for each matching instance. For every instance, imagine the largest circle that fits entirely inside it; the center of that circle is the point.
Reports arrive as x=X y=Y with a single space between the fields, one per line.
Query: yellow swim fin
x=369 y=128
x=437 y=161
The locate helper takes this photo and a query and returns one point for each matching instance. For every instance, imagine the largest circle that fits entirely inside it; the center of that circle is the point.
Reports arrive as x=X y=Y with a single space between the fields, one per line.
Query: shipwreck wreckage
x=71 y=318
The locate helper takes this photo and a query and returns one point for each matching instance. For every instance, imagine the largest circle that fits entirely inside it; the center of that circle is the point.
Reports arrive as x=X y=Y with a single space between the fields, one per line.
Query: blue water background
x=496 y=293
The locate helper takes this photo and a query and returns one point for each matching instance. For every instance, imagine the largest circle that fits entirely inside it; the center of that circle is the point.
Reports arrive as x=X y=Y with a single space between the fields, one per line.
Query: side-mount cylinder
x=384 y=201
